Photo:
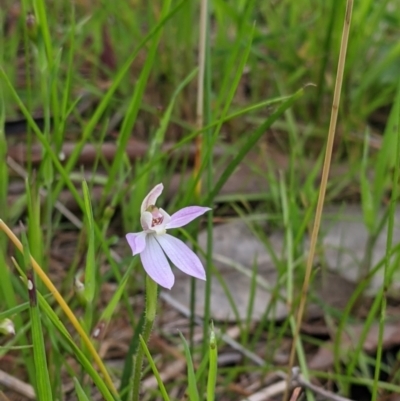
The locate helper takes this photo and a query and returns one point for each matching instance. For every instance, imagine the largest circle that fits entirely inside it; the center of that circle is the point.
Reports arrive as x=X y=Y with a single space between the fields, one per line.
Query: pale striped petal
x=137 y=242
x=181 y=256
x=156 y=264
x=186 y=215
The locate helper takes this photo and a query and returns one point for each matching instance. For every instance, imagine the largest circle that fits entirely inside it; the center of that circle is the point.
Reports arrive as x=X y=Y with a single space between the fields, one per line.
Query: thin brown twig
x=297 y=378
x=16 y=385
x=322 y=189
x=296 y=394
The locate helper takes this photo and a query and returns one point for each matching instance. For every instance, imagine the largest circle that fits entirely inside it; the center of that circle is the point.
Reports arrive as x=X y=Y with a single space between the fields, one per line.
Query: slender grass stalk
x=39 y=352
x=151 y=310
x=200 y=91
x=54 y=318
x=322 y=190
x=129 y=358
x=213 y=365
x=42 y=379
x=203 y=25
x=192 y=390
x=326 y=52
x=8 y=296
x=134 y=104
x=91 y=274
x=79 y=391
x=208 y=160
x=389 y=243
x=250 y=143
x=155 y=370
x=64 y=306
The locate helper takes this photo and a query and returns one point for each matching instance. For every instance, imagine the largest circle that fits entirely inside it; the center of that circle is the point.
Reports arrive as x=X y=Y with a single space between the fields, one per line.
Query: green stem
x=151 y=309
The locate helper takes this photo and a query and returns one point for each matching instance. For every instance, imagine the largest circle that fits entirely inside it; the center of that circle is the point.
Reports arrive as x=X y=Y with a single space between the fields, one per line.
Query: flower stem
x=151 y=309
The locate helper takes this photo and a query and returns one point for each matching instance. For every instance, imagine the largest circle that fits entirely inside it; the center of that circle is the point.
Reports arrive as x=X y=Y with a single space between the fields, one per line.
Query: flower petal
x=146 y=218
x=137 y=242
x=156 y=264
x=186 y=215
x=151 y=197
x=181 y=256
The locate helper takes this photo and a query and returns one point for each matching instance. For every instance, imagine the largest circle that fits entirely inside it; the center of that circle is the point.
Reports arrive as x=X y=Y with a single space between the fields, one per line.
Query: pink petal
x=156 y=264
x=151 y=197
x=137 y=242
x=186 y=215
x=181 y=256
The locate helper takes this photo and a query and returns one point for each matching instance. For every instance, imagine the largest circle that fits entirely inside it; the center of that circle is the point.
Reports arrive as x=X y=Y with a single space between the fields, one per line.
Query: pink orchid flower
x=153 y=243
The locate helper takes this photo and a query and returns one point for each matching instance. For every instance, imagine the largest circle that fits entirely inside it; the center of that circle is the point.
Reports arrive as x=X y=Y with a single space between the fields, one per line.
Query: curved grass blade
x=42 y=378
x=213 y=365
x=154 y=369
x=193 y=393
x=253 y=138
x=79 y=391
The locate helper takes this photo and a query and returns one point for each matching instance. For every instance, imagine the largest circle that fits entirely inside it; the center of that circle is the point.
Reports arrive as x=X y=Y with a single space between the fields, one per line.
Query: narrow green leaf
x=90 y=270
x=79 y=391
x=153 y=366
x=135 y=102
x=43 y=384
x=35 y=235
x=252 y=140
x=386 y=156
x=14 y=311
x=160 y=133
x=193 y=393
x=128 y=365
x=86 y=364
x=110 y=308
x=3 y=165
x=367 y=200
x=213 y=366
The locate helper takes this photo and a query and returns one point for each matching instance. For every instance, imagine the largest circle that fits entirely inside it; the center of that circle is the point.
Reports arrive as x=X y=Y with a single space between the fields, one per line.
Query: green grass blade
x=160 y=133
x=90 y=270
x=86 y=364
x=14 y=310
x=213 y=365
x=386 y=156
x=193 y=393
x=43 y=140
x=367 y=198
x=3 y=165
x=134 y=105
x=251 y=142
x=128 y=365
x=113 y=303
x=43 y=385
x=160 y=383
x=42 y=378
x=79 y=391
x=388 y=251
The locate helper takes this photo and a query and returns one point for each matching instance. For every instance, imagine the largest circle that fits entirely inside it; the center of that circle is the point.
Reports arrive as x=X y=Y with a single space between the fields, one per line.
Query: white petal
x=166 y=216
x=181 y=256
x=146 y=218
x=156 y=264
x=151 y=197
